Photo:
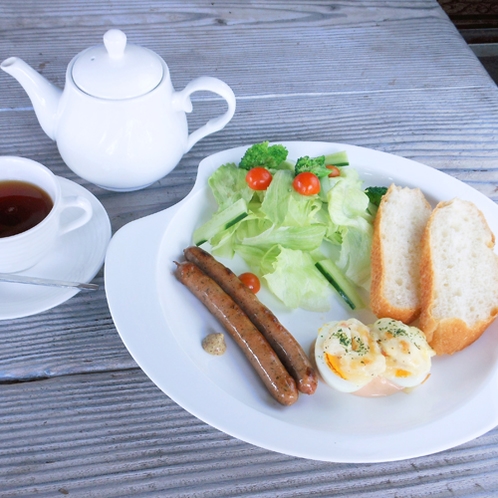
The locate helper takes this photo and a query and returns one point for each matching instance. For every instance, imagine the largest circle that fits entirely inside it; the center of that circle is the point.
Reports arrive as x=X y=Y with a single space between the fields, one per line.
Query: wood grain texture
x=77 y=417
x=115 y=434
x=274 y=61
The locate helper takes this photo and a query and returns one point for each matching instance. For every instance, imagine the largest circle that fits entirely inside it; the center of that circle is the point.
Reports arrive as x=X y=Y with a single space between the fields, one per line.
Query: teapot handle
x=181 y=101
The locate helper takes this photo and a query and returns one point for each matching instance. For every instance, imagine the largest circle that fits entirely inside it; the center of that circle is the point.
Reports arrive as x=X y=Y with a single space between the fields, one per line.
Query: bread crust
x=380 y=305
x=453 y=334
x=428 y=323
x=446 y=335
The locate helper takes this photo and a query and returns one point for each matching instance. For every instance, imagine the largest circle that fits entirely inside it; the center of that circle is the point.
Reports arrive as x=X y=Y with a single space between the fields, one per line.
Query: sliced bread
x=458 y=277
x=395 y=258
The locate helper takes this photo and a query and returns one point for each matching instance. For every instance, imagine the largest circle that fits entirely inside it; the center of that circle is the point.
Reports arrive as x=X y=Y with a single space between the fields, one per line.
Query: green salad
x=304 y=227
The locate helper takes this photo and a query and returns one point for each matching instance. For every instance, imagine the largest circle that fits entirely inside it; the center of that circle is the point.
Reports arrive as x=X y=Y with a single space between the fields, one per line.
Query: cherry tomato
x=251 y=281
x=258 y=178
x=306 y=183
x=334 y=170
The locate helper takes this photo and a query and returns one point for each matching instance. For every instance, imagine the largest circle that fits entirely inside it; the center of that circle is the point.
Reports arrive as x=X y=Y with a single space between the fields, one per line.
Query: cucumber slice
x=337 y=159
x=345 y=288
x=220 y=221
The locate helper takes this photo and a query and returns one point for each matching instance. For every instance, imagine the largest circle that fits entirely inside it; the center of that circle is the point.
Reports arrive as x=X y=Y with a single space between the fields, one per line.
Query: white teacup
x=23 y=250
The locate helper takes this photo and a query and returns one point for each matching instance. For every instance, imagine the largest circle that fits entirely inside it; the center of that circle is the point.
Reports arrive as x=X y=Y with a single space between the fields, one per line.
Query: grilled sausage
x=289 y=351
x=254 y=346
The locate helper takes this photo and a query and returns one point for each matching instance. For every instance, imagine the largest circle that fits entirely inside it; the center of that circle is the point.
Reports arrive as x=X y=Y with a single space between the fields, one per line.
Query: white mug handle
x=181 y=101
x=75 y=201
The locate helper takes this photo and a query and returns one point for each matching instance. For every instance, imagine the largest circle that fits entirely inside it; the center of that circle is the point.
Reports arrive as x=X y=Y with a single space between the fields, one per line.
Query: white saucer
x=77 y=256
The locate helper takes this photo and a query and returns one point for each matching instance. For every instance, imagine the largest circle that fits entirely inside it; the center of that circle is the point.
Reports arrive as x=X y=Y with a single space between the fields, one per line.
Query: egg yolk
x=334 y=364
x=402 y=373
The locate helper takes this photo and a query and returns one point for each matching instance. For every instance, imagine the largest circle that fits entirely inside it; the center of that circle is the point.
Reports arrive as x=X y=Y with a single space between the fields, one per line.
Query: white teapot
x=119 y=123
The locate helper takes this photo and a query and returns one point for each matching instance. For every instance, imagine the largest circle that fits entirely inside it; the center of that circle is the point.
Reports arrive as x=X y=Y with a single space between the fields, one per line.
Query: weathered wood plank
x=81 y=13
x=116 y=434
x=259 y=60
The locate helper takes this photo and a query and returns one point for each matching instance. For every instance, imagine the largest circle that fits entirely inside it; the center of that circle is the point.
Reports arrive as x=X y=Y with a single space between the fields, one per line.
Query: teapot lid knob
x=117 y=69
x=115 y=43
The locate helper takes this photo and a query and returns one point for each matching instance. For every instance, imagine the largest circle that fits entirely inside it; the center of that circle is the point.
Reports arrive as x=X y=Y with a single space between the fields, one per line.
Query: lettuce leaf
x=351 y=226
x=300 y=238
x=282 y=205
x=228 y=185
x=354 y=258
x=297 y=283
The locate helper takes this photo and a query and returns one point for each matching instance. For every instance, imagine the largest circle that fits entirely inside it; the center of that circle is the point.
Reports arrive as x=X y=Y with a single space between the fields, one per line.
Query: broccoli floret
x=263 y=154
x=375 y=194
x=318 y=165
x=315 y=165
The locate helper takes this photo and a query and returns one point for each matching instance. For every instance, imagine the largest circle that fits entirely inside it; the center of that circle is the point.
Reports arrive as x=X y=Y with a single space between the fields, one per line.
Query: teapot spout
x=44 y=95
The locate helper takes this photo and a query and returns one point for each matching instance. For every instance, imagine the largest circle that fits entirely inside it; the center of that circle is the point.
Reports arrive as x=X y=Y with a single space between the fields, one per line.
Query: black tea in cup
x=22 y=206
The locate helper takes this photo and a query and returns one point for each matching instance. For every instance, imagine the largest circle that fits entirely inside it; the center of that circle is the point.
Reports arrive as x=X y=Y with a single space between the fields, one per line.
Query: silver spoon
x=22 y=279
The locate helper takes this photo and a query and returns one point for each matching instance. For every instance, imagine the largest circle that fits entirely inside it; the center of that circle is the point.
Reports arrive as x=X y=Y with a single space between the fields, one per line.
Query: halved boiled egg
x=375 y=360
x=347 y=356
x=408 y=356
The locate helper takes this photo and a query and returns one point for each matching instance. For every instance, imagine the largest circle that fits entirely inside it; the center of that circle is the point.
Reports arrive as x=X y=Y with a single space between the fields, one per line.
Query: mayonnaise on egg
x=408 y=356
x=372 y=360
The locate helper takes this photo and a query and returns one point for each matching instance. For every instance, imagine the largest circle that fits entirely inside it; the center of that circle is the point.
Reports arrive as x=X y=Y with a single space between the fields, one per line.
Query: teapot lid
x=117 y=70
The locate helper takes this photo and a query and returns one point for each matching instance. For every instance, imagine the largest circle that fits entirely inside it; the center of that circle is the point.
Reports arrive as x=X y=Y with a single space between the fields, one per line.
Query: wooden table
x=77 y=416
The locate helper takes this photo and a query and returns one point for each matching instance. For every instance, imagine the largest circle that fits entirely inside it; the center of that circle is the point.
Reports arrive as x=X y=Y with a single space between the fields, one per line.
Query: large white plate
x=162 y=326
